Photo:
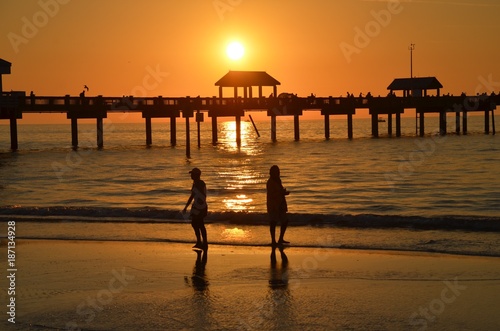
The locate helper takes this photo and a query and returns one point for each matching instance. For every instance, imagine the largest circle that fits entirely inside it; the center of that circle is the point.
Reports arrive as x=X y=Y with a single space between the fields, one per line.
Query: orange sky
x=177 y=48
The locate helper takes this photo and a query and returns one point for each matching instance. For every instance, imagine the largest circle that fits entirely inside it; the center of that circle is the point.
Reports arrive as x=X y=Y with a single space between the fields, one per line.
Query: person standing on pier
x=276 y=205
x=199 y=208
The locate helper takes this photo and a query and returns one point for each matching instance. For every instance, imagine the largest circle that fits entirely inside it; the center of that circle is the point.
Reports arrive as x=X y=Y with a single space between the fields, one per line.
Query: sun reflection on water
x=227 y=138
x=240 y=178
x=235 y=233
x=240 y=203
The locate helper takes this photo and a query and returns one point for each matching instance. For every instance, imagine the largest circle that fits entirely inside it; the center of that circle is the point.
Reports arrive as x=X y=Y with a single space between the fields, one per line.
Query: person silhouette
x=199 y=209
x=82 y=98
x=276 y=205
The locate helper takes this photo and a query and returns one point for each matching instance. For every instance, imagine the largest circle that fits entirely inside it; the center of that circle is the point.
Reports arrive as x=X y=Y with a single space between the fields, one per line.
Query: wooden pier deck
x=14 y=104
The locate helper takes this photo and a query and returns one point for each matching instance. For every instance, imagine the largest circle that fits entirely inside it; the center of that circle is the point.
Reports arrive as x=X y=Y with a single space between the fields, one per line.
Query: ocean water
x=435 y=192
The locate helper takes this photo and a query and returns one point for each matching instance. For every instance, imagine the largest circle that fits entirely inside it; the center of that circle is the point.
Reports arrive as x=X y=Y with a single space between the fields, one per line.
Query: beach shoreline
x=159 y=286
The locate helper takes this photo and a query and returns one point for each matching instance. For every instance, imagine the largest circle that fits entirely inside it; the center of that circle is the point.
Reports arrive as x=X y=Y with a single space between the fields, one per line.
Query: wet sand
x=93 y=285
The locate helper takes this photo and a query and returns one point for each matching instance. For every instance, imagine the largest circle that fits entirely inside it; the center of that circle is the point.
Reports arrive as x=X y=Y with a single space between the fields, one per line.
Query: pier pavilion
x=246 y=80
x=416 y=86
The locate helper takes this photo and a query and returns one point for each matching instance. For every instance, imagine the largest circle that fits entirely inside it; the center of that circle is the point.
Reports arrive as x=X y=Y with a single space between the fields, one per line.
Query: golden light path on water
x=235 y=233
x=245 y=177
x=238 y=204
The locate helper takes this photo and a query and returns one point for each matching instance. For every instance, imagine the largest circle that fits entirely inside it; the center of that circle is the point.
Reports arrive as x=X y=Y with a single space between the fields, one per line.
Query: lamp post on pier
x=411 y=48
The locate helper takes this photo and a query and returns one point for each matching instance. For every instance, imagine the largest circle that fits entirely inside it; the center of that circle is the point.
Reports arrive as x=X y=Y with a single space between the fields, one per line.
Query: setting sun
x=235 y=50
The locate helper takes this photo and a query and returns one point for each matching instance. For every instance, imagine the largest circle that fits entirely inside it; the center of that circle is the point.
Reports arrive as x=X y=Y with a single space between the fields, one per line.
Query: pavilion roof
x=416 y=83
x=247 y=78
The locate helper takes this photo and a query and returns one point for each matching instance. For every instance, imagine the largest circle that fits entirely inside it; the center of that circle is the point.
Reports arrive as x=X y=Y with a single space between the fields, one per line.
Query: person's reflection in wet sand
x=199 y=279
x=279 y=296
x=279 y=276
x=201 y=303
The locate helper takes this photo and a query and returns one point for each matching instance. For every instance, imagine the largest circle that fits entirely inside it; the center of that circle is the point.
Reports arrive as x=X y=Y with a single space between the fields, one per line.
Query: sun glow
x=235 y=50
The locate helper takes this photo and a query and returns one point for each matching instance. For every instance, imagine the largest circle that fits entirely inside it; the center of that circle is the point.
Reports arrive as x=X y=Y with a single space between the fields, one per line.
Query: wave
x=156 y=215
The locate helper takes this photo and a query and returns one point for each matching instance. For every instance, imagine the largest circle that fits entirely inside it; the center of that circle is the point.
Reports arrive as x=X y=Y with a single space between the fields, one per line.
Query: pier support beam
x=375 y=125
x=214 y=130
x=442 y=123
x=173 y=131
x=421 y=124
x=464 y=122
x=398 y=125
x=13 y=133
x=149 y=135
x=493 y=121
x=100 y=132
x=188 y=138
x=457 y=122
x=296 y=127
x=349 y=126
x=199 y=119
x=273 y=128
x=487 y=122
x=327 y=127
x=389 y=124
x=238 y=130
x=74 y=132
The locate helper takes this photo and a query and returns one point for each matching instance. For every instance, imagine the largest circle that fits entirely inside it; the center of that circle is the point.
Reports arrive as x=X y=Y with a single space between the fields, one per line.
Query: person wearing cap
x=199 y=208
x=276 y=205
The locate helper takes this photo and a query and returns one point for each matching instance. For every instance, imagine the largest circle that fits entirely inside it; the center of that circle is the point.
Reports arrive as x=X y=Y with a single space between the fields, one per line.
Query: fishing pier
x=247 y=95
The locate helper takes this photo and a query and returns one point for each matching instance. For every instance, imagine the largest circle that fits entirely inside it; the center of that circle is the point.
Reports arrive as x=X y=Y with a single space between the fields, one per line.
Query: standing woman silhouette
x=276 y=205
x=199 y=208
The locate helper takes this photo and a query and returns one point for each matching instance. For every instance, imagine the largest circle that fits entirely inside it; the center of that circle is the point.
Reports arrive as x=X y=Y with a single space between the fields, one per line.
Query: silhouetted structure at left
x=9 y=105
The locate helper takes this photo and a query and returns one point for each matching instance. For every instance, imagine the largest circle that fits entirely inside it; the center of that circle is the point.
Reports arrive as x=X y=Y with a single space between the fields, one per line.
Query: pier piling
x=464 y=122
x=149 y=135
x=13 y=134
x=214 y=130
x=273 y=128
x=100 y=132
x=238 y=130
x=398 y=125
x=173 y=131
x=199 y=119
x=487 y=122
x=349 y=126
x=296 y=128
x=389 y=124
x=188 y=139
x=421 y=125
x=74 y=133
x=442 y=123
x=493 y=121
x=375 y=125
x=327 y=126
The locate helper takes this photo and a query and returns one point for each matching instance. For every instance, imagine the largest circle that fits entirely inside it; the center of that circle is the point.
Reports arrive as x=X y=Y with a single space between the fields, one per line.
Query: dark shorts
x=197 y=220
x=278 y=218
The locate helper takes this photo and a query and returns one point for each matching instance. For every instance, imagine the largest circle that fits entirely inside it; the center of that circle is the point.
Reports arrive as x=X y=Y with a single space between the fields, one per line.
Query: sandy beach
x=92 y=285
